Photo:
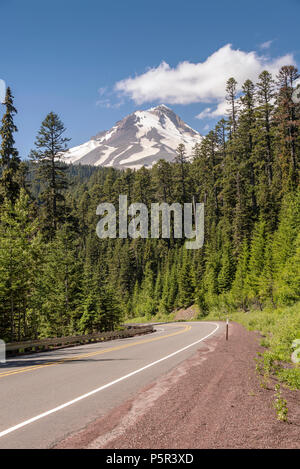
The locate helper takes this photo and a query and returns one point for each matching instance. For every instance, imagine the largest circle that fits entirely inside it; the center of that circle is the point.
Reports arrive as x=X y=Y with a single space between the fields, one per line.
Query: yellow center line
x=109 y=349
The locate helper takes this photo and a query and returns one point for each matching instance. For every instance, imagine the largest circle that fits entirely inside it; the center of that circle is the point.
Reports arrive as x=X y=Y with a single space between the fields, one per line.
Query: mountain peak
x=140 y=139
x=160 y=107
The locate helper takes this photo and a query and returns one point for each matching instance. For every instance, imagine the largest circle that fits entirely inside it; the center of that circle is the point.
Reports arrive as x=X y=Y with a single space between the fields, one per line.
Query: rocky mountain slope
x=140 y=139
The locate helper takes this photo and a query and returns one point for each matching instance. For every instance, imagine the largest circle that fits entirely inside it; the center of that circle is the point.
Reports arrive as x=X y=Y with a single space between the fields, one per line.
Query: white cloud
x=199 y=82
x=208 y=112
x=266 y=45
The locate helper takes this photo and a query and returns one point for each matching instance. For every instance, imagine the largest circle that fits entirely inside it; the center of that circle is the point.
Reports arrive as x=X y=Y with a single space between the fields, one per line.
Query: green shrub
x=279 y=327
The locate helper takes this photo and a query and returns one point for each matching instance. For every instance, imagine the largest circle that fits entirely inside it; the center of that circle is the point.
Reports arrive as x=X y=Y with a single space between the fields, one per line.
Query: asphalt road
x=45 y=397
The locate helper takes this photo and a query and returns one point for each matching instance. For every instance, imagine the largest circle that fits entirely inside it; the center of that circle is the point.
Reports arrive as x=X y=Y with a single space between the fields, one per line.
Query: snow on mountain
x=140 y=139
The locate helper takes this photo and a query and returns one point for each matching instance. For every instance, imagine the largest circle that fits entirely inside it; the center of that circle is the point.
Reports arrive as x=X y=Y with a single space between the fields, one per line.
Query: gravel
x=212 y=400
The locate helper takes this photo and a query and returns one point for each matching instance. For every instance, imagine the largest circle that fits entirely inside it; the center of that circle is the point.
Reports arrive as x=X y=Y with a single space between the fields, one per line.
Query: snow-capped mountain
x=140 y=139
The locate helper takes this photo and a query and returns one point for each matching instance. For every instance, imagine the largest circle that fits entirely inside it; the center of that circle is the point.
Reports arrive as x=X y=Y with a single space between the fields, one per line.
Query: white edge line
x=88 y=394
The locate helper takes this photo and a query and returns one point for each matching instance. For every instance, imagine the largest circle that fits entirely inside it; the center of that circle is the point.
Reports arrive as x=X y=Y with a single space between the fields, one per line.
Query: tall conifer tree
x=50 y=146
x=9 y=156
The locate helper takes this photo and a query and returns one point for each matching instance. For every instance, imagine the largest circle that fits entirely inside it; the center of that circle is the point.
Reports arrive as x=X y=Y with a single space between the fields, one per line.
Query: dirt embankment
x=186 y=314
x=212 y=400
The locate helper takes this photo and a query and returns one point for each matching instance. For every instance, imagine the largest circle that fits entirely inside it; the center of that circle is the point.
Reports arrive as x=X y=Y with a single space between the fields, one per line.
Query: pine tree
x=231 y=94
x=287 y=116
x=164 y=305
x=181 y=161
x=226 y=273
x=135 y=300
x=186 y=293
x=266 y=280
x=142 y=189
x=210 y=277
x=58 y=288
x=265 y=96
x=88 y=315
x=286 y=233
x=246 y=131
x=163 y=181
x=288 y=285
x=112 y=312
x=9 y=159
x=19 y=266
x=158 y=289
x=50 y=145
x=147 y=304
x=239 y=286
x=256 y=262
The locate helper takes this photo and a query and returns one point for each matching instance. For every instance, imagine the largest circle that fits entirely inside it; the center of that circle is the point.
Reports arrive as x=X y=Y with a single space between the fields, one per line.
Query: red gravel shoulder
x=212 y=400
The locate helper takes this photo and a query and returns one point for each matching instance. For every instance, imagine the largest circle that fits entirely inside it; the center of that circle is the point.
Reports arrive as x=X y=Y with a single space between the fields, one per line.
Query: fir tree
x=9 y=159
x=239 y=290
x=186 y=285
x=226 y=273
x=50 y=145
x=181 y=160
x=231 y=94
x=256 y=262
x=287 y=116
x=19 y=265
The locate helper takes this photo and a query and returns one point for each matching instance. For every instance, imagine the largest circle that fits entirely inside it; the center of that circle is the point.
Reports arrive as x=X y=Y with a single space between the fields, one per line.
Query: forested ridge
x=58 y=278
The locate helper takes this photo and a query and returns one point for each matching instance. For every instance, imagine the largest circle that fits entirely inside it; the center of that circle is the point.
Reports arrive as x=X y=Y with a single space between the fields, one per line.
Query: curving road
x=46 y=396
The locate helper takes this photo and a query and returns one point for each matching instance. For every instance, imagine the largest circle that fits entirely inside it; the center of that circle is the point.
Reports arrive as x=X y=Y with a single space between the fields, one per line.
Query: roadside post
x=2 y=352
x=227 y=323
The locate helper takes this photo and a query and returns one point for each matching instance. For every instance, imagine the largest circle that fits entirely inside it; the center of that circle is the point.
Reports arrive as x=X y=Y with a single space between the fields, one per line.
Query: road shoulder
x=212 y=400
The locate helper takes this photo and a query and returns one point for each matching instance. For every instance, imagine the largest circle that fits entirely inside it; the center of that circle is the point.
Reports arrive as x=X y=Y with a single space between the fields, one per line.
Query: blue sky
x=94 y=61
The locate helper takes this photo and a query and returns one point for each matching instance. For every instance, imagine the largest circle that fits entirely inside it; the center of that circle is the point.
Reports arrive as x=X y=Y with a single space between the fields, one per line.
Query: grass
x=279 y=327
